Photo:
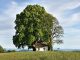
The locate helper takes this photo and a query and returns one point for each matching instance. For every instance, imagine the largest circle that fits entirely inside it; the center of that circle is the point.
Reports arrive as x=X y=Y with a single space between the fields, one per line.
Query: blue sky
x=66 y=11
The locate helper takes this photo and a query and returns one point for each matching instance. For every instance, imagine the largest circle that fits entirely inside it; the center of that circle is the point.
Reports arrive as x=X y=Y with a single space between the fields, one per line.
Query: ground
x=46 y=55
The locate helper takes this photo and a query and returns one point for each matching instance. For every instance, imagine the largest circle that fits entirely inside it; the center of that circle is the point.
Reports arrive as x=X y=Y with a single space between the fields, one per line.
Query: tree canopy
x=34 y=23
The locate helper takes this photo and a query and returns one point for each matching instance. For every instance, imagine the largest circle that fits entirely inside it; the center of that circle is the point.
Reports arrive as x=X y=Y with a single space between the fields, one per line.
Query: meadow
x=46 y=55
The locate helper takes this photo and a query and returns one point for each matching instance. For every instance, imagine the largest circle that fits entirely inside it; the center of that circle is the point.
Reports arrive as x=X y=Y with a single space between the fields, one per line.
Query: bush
x=1 y=49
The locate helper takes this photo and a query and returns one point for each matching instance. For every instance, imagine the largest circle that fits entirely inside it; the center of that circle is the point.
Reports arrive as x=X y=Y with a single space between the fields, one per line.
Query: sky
x=66 y=11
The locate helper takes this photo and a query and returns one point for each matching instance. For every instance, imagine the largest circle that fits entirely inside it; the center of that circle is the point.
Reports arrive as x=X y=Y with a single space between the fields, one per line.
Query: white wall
x=42 y=49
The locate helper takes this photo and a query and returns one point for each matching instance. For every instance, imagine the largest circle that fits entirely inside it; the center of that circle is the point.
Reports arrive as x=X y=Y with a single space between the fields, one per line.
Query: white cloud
x=69 y=5
x=6 y=38
x=7 y=19
x=13 y=9
x=59 y=9
x=71 y=20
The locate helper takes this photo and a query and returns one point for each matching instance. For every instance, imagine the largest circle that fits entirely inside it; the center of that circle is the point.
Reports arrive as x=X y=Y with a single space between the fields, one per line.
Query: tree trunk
x=50 y=48
x=34 y=49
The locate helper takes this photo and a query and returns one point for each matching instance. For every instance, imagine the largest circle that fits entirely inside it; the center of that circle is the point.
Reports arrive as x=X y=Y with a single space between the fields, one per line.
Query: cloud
x=71 y=20
x=59 y=9
x=7 y=26
x=69 y=5
x=6 y=38
x=7 y=18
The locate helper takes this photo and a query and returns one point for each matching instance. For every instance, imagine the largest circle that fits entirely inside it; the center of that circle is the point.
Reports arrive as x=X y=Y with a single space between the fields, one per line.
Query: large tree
x=34 y=23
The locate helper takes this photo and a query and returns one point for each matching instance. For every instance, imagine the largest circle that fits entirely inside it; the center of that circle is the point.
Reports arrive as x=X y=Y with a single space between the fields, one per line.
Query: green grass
x=55 y=55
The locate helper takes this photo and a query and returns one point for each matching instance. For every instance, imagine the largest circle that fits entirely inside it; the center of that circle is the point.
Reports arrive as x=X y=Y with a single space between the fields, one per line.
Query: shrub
x=1 y=49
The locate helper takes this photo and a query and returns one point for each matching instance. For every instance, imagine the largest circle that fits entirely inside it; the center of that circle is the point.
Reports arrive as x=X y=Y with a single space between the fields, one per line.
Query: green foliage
x=34 y=23
x=58 y=55
x=1 y=49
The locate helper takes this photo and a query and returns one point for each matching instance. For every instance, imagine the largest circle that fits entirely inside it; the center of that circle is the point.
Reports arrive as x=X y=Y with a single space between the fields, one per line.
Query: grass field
x=55 y=55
